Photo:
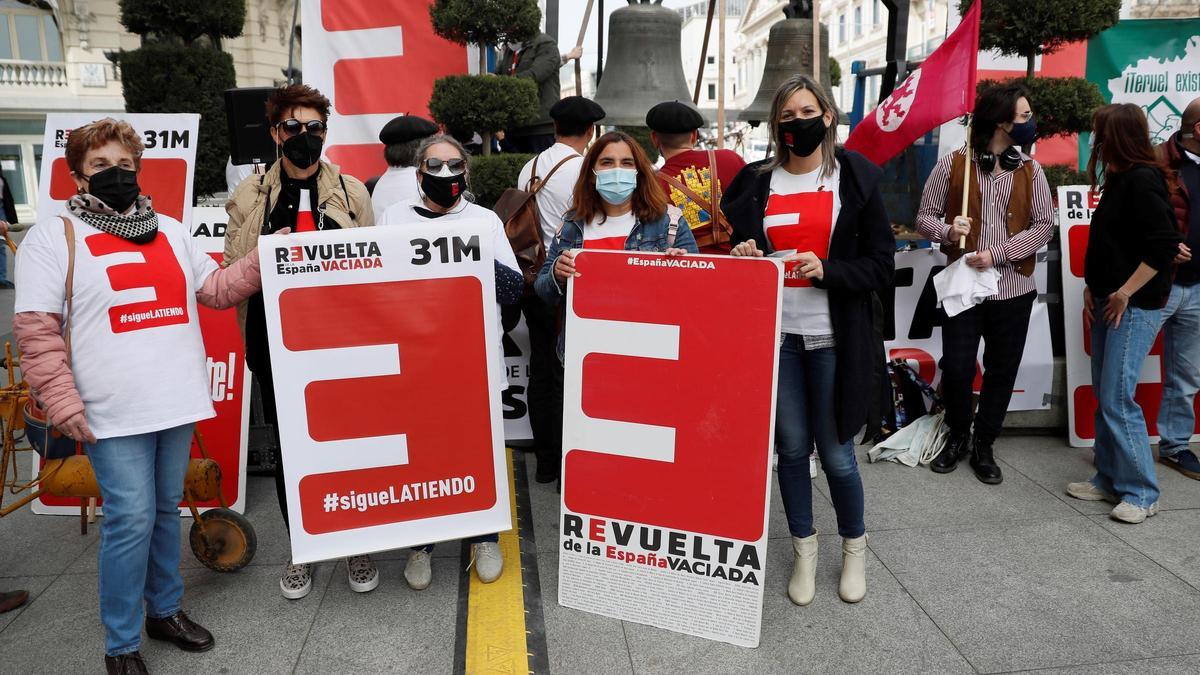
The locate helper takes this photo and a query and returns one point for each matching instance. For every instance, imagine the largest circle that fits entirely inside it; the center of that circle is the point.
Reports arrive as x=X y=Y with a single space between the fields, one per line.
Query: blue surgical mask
x=1024 y=133
x=615 y=185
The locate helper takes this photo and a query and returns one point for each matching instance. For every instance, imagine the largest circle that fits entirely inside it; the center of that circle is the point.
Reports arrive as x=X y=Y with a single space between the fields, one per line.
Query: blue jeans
x=1124 y=461
x=141 y=481
x=804 y=415
x=1181 y=361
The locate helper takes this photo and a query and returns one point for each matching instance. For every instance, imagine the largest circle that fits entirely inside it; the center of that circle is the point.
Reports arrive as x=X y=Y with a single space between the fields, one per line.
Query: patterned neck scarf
x=139 y=226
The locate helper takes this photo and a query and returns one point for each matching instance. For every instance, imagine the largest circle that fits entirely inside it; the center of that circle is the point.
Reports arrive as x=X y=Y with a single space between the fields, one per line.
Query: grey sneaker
x=1128 y=513
x=417 y=571
x=361 y=573
x=296 y=581
x=1088 y=492
x=488 y=561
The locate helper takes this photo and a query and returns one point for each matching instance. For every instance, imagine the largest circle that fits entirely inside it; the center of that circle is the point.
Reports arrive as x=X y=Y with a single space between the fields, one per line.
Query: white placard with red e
x=1076 y=203
x=166 y=175
x=385 y=354
x=668 y=425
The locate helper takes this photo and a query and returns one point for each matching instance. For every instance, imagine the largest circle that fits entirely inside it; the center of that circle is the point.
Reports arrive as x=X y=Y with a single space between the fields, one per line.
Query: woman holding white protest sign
x=303 y=193
x=442 y=180
x=618 y=206
x=819 y=209
x=126 y=378
x=1132 y=243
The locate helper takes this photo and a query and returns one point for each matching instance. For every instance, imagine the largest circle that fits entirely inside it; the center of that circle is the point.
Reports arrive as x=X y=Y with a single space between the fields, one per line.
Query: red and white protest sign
x=668 y=425
x=166 y=175
x=385 y=354
x=1076 y=203
x=374 y=59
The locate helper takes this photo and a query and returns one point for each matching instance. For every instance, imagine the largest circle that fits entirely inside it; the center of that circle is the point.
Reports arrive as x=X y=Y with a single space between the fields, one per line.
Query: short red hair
x=101 y=133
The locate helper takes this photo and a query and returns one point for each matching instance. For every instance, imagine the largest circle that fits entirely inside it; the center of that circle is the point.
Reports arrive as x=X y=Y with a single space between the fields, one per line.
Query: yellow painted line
x=496 y=611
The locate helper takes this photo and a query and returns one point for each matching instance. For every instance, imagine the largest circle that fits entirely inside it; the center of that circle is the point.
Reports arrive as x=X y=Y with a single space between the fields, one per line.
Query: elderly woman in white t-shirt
x=133 y=382
x=442 y=169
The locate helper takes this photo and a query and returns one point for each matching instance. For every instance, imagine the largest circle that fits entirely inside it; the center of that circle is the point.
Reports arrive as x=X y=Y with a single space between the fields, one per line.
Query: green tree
x=180 y=68
x=484 y=103
x=1042 y=27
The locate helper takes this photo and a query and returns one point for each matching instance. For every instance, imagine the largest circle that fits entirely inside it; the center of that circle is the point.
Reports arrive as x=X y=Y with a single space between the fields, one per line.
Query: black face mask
x=802 y=137
x=303 y=150
x=118 y=188
x=444 y=191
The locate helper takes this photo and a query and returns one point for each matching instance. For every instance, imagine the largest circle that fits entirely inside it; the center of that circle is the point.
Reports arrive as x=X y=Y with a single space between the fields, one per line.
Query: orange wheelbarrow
x=221 y=539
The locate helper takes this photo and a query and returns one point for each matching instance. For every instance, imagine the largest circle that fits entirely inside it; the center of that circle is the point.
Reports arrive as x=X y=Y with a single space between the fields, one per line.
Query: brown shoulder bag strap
x=542 y=183
x=69 y=233
x=718 y=218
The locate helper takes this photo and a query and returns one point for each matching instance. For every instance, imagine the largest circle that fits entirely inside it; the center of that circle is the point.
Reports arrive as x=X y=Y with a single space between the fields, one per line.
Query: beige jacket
x=249 y=201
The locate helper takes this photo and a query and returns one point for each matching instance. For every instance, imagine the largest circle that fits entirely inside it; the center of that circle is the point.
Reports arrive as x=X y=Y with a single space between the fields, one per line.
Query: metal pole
x=291 y=74
x=712 y=5
x=552 y=19
x=816 y=41
x=721 y=76
x=600 y=44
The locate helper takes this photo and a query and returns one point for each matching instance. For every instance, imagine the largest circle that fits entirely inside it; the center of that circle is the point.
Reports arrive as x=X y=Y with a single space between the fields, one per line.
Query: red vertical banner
x=668 y=423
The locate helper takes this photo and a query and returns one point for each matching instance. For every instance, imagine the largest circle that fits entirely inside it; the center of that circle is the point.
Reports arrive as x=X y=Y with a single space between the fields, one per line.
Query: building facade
x=55 y=57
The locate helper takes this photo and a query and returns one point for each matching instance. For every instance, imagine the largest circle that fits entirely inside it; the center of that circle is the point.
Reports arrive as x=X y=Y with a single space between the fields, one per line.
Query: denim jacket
x=647 y=237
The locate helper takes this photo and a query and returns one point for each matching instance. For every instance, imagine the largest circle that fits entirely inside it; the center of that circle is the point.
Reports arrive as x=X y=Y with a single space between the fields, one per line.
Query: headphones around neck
x=1009 y=160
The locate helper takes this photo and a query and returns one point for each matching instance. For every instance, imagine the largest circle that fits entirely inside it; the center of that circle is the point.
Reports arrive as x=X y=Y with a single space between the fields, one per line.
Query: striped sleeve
x=931 y=218
x=1041 y=224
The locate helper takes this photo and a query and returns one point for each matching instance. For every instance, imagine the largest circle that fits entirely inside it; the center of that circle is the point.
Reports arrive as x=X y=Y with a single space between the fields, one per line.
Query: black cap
x=673 y=117
x=576 y=110
x=406 y=128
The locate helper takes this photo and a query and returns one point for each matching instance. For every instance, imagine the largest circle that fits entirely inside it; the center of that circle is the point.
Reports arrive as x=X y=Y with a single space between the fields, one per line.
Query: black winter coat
x=861 y=261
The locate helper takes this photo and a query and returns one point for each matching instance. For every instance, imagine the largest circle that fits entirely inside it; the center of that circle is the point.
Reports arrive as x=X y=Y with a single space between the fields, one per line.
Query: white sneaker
x=814 y=467
x=1128 y=513
x=296 y=581
x=361 y=573
x=418 y=571
x=1088 y=492
x=488 y=561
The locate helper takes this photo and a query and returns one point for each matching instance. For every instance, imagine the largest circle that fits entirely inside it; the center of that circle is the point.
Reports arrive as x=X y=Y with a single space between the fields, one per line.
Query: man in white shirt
x=398 y=184
x=575 y=120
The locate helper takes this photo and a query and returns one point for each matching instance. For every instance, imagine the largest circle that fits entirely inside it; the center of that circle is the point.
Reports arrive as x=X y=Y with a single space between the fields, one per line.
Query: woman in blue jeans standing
x=819 y=208
x=1132 y=243
x=106 y=319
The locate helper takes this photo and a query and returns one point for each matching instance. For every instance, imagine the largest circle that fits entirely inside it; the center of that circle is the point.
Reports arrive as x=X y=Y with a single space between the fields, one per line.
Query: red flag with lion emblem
x=940 y=90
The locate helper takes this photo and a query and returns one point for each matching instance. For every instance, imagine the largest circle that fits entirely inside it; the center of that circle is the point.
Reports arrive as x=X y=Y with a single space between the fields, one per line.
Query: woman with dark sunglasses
x=442 y=173
x=304 y=193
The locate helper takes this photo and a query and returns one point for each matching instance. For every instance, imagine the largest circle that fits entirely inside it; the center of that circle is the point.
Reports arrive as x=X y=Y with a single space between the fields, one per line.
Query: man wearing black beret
x=557 y=168
x=687 y=173
x=400 y=137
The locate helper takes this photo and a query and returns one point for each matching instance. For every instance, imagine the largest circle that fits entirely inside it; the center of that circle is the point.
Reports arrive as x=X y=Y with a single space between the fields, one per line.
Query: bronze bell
x=789 y=51
x=643 y=66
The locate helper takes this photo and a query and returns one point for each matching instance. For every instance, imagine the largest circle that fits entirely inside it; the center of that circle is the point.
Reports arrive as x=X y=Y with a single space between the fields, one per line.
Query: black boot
x=125 y=664
x=984 y=464
x=956 y=448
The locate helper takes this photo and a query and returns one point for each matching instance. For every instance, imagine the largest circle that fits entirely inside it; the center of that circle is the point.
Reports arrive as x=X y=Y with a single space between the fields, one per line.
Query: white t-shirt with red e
x=609 y=235
x=801 y=212
x=136 y=351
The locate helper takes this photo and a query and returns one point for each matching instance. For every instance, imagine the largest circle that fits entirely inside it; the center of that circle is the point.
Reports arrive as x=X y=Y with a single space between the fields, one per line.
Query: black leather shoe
x=125 y=664
x=545 y=475
x=984 y=464
x=178 y=628
x=947 y=459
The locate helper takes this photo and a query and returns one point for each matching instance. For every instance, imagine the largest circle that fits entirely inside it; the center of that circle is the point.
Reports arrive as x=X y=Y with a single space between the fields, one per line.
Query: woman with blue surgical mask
x=618 y=206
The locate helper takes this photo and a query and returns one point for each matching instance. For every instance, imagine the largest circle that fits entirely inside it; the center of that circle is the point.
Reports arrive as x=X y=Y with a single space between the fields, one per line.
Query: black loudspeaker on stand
x=249 y=133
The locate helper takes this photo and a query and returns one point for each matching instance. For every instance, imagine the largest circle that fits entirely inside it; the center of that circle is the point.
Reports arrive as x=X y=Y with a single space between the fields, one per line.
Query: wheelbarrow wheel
x=226 y=543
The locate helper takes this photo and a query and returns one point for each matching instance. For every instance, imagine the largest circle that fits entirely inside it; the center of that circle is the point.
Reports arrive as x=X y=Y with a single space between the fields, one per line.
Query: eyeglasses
x=1025 y=116
x=434 y=165
x=294 y=126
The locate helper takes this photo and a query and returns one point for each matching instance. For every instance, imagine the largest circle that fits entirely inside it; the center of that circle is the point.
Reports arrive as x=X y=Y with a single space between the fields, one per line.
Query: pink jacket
x=44 y=353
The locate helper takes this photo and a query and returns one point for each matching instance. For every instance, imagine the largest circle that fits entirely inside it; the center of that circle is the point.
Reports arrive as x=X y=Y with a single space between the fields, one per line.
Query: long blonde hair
x=783 y=94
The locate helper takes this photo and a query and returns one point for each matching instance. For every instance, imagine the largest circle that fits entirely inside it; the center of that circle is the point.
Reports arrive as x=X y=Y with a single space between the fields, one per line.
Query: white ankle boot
x=803 y=584
x=853 y=586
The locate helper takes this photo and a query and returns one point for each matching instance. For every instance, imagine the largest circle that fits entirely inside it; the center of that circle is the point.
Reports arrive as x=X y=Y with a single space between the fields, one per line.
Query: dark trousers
x=266 y=386
x=1002 y=325
x=545 y=396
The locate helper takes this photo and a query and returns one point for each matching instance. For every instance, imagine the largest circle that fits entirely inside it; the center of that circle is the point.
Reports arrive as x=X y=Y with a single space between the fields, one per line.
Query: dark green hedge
x=1062 y=105
x=493 y=174
x=487 y=22
x=483 y=103
x=185 y=19
x=161 y=78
